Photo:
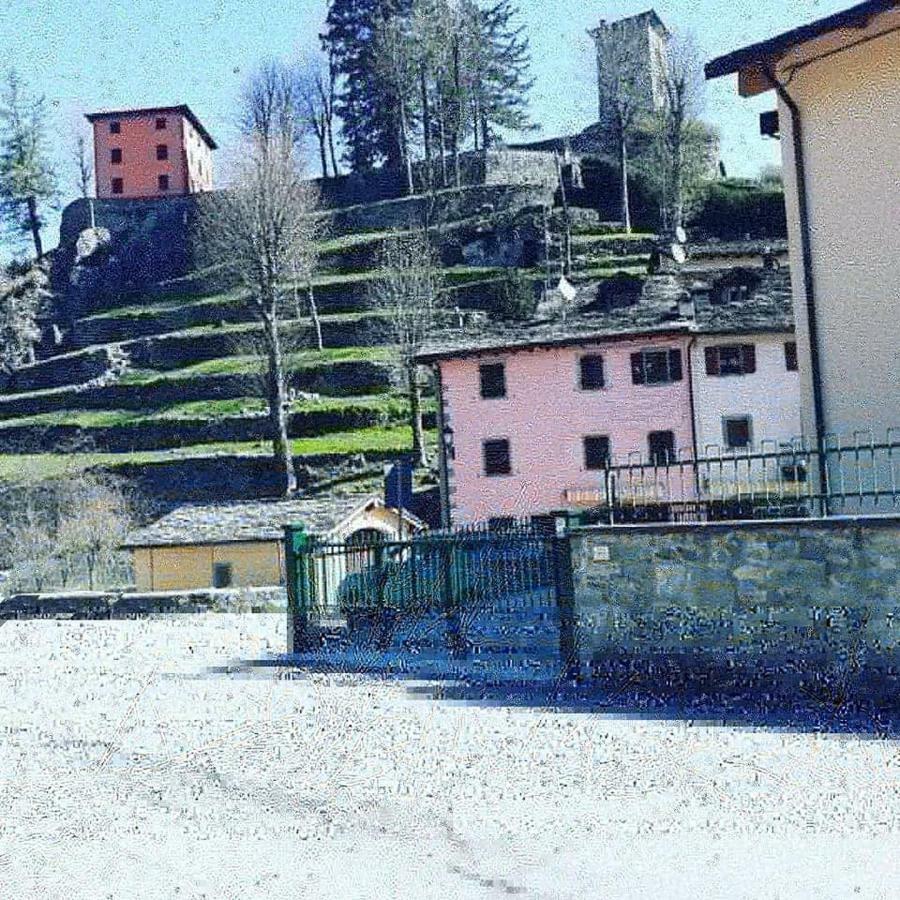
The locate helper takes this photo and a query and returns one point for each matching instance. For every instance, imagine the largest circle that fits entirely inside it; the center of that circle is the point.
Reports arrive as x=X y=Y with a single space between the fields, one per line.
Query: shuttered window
x=493 y=380
x=656 y=366
x=731 y=359
x=496 y=457
x=596 y=451
x=791 y=362
x=591 y=372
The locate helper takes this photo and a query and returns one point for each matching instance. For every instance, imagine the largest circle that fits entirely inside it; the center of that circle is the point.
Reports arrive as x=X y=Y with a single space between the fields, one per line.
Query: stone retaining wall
x=802 y=599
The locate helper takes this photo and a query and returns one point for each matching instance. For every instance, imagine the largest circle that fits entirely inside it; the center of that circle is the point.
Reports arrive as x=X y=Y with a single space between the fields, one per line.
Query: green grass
x=588 y=237
x=34 y=467
x=393 y=406
x=248 y=364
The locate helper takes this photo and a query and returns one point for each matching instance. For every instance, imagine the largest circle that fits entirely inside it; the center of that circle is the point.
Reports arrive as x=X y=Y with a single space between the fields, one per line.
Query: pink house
x=161 y=151
x=531 y=415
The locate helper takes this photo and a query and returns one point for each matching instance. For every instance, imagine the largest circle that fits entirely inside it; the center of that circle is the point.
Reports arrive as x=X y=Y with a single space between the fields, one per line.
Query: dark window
x=496 y=457
x=794 y=473
x=656 y=366
x=731 y=359
x=737 y=432
x=162 y=151
x=222 y=575
x=661 y=445
x=115 y=155
x=163 y=182
x=118 y=186
x=591 y=372
x=790 y=356
x=596 y=451
x=493 y=380
x=115 y=127
x=161 y=123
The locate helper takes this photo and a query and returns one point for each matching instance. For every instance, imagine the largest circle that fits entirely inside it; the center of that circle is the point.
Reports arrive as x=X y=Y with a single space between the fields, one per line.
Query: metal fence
x=377 y=587
x=838 y=476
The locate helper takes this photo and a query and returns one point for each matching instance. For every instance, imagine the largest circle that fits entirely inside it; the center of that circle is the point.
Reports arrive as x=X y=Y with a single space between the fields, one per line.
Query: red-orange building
x=162 y=151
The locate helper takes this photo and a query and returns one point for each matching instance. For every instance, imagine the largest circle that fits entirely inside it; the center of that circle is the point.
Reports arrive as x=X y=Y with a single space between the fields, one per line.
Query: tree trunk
x=277 y=400
x=426 y=127
x=415 y=413
x=623 y=168
x=334 y=165
x=677 y=179
x=442 y=136
x=314 y=313
x=404 y=150
x=34 y=223
x=457 y=113
x=323 y=159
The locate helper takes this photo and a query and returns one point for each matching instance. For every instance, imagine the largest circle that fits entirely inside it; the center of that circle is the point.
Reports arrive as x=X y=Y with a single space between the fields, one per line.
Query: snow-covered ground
x=130 y=769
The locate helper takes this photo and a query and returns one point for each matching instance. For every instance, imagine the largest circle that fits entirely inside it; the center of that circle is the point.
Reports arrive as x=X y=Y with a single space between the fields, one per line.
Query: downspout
x=443 y=476
x=808 y=281
x=693 y=406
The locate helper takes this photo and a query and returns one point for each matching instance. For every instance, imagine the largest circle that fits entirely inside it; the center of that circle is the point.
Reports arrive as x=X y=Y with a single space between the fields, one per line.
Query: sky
x=88 y=55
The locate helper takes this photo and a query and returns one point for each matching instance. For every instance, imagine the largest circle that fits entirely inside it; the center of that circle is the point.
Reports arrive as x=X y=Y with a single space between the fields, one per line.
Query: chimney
x=398 y=485
x=686 y=306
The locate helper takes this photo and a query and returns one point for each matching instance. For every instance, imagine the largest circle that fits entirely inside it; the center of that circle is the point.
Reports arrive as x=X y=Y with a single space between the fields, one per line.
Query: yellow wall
x=850 y=107
x=256 y=564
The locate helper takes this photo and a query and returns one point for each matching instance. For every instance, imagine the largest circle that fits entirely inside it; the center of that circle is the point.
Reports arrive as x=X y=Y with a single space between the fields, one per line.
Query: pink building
x=158 y=152
x=532 y=415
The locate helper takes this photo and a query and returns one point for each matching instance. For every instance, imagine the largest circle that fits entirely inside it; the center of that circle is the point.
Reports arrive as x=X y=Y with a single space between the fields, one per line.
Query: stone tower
x=647 y=39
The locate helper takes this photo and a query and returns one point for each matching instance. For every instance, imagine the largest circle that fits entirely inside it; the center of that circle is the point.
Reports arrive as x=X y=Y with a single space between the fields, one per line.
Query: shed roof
x=258 y=520
x=855 y=17
x=654 y=313
x=180 y=109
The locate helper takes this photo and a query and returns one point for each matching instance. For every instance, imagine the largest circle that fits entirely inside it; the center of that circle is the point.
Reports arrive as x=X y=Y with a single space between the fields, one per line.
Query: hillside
x=159 y=379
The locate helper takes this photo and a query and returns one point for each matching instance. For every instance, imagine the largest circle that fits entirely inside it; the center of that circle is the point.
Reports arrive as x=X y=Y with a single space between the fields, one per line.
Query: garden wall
x=803 y=602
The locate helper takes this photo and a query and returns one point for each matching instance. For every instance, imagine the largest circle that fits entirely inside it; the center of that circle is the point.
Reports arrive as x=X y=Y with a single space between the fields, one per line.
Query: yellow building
x=837 y=85
x=241 y=544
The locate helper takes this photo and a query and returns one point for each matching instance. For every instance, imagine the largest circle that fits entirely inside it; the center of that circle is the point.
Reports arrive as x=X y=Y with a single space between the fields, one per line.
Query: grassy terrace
x=249 y=364
x=391 y=406
x=33 y=467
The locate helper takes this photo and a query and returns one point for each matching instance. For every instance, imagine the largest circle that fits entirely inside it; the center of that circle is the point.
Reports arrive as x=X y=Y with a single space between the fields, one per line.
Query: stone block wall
x=808 y=597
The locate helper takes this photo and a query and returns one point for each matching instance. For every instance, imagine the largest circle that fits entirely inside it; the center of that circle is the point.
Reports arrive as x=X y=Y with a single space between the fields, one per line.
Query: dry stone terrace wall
x=804 y=601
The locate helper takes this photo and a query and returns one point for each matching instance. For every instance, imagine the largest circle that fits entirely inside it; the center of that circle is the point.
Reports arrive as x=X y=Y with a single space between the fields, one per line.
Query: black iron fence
x=837 y=476
x=445 y=582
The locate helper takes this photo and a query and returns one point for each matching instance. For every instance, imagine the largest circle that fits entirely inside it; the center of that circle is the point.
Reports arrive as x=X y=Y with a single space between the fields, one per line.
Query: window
x=161 y=123
x=591 y=372
x=163 y=182
x=596 y=451
x=493 y=380
x=118 y=186
x=162 y=151
x=790 y=356
x=661 y=445
x=656 y=366
x=496 y=457
x=737 y=431
x=731 y=359
x=223 y=576
x=115 y=155
x=115 y=127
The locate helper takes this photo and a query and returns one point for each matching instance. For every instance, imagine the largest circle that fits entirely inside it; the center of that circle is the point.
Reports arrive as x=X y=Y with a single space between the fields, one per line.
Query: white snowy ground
x=129 y=770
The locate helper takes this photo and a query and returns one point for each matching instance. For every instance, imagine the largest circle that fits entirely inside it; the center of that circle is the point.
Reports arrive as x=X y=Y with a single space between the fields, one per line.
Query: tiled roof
x=769 y=308
x=260 y=520
x=181 y=109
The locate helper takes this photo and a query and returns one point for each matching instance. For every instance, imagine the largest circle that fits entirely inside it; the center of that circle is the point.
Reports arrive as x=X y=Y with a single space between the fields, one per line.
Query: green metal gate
x=451 y=582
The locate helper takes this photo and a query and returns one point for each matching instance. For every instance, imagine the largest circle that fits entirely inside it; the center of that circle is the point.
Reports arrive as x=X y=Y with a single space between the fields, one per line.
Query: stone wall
x=799 y=600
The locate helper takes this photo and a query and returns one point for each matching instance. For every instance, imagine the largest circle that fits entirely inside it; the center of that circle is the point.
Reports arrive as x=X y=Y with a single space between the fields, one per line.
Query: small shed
x=241 y=544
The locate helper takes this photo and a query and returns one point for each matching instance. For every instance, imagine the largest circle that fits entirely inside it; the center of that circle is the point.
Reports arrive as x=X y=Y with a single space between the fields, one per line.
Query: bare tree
x=623 y=102
x=682 y=84
x=23 y=295
x=317 y=88
x=410 y=290
x=260 y=231
x=271 y=104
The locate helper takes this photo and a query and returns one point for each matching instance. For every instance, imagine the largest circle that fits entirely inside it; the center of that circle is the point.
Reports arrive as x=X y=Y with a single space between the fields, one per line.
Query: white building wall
x=770 y=396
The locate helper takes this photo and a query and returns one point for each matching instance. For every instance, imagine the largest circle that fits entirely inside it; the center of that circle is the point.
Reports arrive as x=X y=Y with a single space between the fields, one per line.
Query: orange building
x=159 y=152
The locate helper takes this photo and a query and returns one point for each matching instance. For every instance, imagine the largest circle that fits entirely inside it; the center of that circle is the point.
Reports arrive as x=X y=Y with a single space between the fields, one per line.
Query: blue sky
x=94 y=54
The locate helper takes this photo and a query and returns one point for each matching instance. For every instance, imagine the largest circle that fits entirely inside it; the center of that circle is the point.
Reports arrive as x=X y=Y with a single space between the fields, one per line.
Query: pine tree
x=27 y=178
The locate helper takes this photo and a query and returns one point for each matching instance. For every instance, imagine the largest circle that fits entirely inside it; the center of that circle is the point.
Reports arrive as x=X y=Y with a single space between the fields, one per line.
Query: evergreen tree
x=27 y=178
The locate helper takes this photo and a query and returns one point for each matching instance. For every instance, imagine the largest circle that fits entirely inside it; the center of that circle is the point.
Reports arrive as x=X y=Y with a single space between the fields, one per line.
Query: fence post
x=565 y=600
x=450 y=600
x=297 y=544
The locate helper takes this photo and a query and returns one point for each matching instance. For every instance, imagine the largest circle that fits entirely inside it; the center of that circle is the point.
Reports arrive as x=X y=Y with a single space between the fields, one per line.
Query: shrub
x=516 y=299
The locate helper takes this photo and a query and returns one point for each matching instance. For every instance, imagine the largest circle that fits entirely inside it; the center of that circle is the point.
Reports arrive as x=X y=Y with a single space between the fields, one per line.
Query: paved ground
x=129 y=769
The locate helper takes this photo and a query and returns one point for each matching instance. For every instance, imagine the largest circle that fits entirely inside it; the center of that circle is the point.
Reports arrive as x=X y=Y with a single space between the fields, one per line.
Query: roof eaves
x=855 y=17
x=180 y=108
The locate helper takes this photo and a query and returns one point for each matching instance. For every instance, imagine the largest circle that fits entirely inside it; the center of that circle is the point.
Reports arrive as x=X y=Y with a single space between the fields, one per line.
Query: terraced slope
x=164 y=384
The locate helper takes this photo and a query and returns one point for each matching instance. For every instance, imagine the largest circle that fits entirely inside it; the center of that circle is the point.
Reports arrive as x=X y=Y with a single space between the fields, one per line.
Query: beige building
x=837 y=83
x=241 y=544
